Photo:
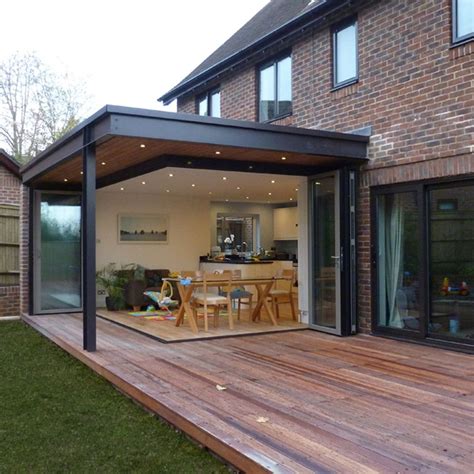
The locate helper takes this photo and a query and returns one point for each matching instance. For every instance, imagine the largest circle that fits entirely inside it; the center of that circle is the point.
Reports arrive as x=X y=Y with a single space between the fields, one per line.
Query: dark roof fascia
x=303 y=21
x=9 y=163
x=150 y=124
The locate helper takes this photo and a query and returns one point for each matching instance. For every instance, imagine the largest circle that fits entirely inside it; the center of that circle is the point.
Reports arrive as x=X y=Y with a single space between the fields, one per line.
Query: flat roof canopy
x=130 y=142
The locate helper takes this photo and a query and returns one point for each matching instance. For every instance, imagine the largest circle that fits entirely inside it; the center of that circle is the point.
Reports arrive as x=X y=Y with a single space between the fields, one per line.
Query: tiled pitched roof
x=275 y=15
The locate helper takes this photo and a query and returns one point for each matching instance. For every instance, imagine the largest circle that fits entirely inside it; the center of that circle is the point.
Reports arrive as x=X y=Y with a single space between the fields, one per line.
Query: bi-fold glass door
x=332 y=252
x=57 y=252
x=423 y=261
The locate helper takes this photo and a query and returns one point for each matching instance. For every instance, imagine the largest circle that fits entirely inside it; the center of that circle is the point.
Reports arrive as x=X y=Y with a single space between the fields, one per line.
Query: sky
x=127 y=52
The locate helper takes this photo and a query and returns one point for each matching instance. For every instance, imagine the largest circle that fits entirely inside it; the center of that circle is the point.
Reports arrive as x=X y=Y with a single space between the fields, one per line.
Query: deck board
x=359 y=404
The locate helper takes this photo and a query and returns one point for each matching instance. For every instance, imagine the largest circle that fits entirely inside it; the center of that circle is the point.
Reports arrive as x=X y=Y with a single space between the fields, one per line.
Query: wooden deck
x=166 y=331
x=296 y=401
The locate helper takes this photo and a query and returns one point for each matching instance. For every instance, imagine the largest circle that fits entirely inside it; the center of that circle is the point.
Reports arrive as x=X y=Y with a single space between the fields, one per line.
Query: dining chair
x=284 y=295
x=206 y=299
x=239 y=294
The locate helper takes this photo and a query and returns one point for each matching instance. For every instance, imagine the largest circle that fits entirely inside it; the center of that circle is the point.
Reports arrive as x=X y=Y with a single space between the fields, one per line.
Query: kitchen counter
x=244 y=262
x=236 y=262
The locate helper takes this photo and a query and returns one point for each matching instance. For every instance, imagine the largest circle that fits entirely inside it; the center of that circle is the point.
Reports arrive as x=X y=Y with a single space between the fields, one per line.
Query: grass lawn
x=56 y=415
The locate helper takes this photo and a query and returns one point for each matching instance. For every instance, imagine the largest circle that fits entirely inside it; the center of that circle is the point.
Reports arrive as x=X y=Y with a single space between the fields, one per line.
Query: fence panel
x=9 y=245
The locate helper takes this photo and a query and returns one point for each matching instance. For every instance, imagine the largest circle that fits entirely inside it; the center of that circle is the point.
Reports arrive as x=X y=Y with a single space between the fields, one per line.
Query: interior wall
x=265 y=211
x=189 y=232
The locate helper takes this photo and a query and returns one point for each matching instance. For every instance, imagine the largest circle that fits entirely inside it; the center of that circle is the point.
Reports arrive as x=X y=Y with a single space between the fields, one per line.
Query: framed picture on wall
x=143 y=228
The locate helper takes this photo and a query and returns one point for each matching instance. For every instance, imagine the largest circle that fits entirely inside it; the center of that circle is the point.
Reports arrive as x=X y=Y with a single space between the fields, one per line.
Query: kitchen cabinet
x=285 y=223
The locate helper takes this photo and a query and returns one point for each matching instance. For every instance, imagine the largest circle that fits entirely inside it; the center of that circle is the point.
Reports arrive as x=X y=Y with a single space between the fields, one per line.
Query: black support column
x=88 y=243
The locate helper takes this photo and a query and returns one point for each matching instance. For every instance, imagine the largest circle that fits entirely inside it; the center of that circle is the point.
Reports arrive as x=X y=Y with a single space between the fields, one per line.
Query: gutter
x=281 y=34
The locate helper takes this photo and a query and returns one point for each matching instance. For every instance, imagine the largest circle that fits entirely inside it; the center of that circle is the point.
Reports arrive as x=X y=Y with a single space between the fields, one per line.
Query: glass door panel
x=398 y=262
x=452 y=262
x=326 y=253
x=58 y=252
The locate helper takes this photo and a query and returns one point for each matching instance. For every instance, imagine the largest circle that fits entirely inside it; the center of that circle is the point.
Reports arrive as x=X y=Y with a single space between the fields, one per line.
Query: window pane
x=236 y=233
x=216 y=104
x=284 y=86
x=398 y=261
x=346 y=54
x=203 y=106
x=452 y=262
x=465 y=17
x=267 y=93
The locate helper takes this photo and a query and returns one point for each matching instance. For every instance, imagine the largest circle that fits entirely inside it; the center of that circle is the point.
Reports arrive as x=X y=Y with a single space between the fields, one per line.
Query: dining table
x=186 y=288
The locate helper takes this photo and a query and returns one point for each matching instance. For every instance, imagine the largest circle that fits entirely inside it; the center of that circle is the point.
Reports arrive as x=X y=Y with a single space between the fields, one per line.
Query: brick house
x=368 y=103
x=10 y=184
x=402 y=71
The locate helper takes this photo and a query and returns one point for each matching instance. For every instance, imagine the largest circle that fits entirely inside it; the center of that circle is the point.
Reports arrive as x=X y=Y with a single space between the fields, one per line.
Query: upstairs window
x=210 y=103
x=345 y=53
x=275 y=89
x=463 y=20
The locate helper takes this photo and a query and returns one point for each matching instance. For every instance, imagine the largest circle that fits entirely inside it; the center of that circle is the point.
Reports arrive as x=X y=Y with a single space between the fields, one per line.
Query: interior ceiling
x=210 y=184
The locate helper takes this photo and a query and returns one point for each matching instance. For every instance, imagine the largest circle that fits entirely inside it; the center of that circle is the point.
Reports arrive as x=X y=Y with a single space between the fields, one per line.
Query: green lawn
x=56 y=415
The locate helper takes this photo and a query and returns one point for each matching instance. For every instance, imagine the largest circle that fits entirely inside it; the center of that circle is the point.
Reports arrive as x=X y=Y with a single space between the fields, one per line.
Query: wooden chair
x=214 y=300
x=239 y=294
x=284 y=295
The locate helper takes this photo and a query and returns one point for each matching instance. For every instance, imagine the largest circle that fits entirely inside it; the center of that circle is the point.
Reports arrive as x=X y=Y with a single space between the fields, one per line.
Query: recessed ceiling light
x=246 y=197
x=103 y=163
x=296 y=189
x=283 y=158
x=238 y=187
x=167 y=190
x=224 y=178
x=142 y=145
x=122 y=189
x=143 y=182
x=193 y=185
x=210 y=192
x=226 y=200
x=171 y=175
x=291 y=199
x=269 y=194
x=218 y=152
x=273 y=181
x=65 y=180
x=82 y=172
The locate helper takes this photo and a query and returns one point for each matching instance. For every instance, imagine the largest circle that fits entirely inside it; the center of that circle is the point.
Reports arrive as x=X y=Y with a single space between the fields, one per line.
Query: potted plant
x=113 y=281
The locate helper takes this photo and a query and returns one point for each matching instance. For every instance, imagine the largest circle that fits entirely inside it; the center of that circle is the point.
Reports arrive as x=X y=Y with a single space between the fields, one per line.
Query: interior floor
x=166 y=330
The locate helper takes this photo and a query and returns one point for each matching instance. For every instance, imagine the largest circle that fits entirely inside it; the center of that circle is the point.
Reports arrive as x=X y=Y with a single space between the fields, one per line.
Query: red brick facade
x=415 y=90
x=9 y=195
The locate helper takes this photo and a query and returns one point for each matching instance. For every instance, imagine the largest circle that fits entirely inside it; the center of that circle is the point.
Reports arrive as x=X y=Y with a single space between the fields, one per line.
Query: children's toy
x=448 y=290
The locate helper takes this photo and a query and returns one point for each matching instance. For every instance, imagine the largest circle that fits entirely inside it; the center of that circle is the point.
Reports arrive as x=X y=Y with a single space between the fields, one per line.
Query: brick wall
x=414 y=89
x=9 y=301
x=9 y=194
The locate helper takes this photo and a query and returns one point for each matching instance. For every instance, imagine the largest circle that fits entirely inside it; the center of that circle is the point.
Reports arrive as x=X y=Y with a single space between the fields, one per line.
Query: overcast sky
x=128 y=51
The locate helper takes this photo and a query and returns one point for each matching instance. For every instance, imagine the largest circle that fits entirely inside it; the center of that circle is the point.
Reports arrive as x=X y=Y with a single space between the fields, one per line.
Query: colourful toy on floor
x=448 y=290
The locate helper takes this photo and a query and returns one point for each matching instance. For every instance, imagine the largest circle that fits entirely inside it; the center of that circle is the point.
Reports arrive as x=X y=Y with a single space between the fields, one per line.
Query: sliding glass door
x=57 y=252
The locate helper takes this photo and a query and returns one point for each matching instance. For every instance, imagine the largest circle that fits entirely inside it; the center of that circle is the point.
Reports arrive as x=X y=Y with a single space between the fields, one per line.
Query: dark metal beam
x=225 y=133
x=217 y=164
x=88 y=206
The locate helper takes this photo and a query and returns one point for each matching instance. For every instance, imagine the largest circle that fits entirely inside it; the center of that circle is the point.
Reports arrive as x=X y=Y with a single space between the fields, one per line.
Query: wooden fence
x=9 y=245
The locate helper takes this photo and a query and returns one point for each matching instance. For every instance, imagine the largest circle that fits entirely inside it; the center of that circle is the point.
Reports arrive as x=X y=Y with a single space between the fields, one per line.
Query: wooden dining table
x=263 y=286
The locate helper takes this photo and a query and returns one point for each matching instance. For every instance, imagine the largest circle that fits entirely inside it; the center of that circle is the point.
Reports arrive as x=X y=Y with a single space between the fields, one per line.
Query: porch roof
x=130 y=142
